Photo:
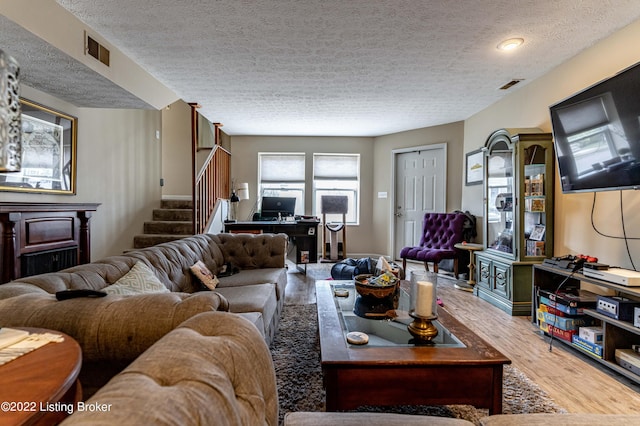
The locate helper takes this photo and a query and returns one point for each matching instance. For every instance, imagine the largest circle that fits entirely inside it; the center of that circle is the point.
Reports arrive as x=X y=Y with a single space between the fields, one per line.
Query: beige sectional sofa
x=185 y=360
x=114 y=330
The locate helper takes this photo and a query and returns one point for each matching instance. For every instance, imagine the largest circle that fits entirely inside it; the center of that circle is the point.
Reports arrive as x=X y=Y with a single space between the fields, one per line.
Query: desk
x=303 y=235
x=471 y=248
x=41 y=378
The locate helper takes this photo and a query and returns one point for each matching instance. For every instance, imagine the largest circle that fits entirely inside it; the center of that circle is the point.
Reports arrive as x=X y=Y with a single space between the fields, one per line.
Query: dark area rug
x=296 y=356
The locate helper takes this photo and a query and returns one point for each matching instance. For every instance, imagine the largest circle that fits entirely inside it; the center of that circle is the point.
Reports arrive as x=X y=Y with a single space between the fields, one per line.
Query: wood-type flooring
x=574 y=381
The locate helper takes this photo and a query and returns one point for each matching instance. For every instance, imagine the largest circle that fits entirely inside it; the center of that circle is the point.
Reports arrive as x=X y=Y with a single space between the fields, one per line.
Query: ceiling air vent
x=95 y=49
x=512 y=83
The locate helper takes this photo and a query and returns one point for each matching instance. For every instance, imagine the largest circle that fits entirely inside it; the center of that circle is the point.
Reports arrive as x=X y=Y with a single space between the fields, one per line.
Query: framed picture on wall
x=48 y=152
x=474 y=167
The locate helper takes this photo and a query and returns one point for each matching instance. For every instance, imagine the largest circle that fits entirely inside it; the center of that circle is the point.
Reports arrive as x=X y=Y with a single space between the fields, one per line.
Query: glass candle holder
x=423 y=295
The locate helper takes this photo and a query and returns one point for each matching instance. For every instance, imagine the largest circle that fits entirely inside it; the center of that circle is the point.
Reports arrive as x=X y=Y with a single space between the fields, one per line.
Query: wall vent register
x=94 y=49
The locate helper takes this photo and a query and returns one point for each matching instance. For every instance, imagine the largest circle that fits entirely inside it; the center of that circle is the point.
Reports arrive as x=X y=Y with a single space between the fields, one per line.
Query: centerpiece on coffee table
x=377 y=295
x=380 y=287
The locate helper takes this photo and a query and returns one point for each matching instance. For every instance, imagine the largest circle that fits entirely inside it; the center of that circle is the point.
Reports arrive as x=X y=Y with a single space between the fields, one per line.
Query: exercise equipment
x=334 y=204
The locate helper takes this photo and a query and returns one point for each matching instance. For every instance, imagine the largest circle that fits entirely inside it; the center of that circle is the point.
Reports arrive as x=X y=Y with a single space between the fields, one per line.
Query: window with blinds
x=337 y=174
x=282 y=175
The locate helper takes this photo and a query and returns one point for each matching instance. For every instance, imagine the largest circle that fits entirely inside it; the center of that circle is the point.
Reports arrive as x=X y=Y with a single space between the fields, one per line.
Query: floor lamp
x=237 y=194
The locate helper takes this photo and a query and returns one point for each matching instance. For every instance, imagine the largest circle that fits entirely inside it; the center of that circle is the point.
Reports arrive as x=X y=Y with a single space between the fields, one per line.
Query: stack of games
x=561 y=314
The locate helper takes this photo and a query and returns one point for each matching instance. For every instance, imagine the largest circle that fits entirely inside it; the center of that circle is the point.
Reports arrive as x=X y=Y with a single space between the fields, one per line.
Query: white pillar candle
x=424 y=299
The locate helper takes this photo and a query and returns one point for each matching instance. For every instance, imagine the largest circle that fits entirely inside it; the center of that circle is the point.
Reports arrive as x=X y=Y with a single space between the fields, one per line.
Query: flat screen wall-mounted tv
x=597 y=135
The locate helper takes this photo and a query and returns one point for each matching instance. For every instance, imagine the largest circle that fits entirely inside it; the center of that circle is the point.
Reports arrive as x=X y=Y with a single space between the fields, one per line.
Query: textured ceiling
x=46 y=68
x=346 y=67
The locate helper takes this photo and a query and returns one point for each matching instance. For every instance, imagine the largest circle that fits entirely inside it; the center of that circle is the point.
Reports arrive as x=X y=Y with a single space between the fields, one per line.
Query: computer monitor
x=271 y=206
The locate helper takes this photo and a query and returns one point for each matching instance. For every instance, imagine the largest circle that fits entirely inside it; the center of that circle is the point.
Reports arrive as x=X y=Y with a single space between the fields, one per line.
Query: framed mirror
x=48 y=152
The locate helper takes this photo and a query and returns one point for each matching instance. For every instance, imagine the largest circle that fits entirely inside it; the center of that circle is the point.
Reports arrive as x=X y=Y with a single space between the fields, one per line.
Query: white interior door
x=420 y=187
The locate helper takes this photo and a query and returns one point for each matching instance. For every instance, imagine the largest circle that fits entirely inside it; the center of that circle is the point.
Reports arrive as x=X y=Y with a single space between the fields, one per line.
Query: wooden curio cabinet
x=518 y=217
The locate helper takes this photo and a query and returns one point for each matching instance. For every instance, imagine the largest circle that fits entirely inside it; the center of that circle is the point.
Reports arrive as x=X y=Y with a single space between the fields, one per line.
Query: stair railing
x=212 y=182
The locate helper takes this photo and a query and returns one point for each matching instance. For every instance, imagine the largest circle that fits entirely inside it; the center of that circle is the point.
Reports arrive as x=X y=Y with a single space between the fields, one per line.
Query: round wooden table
x=471 y=248
x=41 y=387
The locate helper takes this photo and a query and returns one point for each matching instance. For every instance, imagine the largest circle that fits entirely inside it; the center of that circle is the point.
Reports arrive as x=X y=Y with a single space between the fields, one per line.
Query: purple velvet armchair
x=440 y=232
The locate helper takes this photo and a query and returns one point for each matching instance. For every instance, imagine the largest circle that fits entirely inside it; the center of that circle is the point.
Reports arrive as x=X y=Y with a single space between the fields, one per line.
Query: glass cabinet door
x=518 y=187
x=534 y=194
x=500 y=198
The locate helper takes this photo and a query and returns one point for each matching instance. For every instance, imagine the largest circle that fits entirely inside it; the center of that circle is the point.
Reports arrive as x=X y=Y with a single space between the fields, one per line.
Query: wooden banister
x=212 y=181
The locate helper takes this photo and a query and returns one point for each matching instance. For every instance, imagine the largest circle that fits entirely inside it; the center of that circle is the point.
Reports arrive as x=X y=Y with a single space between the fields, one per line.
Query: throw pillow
x=139 y=280
x=205 y=276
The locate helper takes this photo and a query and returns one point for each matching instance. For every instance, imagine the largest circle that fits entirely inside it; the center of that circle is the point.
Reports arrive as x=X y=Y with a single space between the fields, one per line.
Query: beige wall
x=118 y=166
x=176 y=150
x=372 y=235
x=244 y=168
x=382 y=208
x=529 y=107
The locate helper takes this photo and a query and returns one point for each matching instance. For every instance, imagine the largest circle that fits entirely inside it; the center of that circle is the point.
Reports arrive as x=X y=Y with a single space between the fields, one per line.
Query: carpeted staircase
x=172 y=221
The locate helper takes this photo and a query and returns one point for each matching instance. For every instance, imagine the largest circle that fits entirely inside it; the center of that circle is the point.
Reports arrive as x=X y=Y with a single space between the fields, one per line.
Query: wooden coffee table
x=41 y=387
x=401 y=373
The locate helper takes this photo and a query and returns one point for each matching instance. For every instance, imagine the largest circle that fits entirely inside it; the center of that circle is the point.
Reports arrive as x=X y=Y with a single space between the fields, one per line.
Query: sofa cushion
x=276 y=276
x=249 y=251
x=91 y=276
x=139 y=280
x=252 y=298
x=256 y=319
x=204 y=275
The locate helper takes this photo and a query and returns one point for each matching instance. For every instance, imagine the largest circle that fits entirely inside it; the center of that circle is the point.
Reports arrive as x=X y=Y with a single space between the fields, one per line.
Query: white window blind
x=337 y=174
x=282 y=175
x=282 y=167
x=336 y=166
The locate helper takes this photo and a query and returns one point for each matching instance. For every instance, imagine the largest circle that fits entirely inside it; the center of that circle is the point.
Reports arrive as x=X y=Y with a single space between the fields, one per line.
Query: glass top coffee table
x=390 y=319
x=458 y=368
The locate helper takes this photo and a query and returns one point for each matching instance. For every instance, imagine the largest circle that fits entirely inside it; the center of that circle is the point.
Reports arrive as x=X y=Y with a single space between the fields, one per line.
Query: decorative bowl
x=365 y=288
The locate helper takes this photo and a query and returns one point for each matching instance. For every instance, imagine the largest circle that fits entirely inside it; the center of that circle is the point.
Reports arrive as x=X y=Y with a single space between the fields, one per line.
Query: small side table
x=44 y=378
x=471 y=248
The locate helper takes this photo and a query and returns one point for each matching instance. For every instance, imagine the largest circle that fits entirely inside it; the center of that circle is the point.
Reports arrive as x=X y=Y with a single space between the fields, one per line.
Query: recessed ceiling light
x=510 y=44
